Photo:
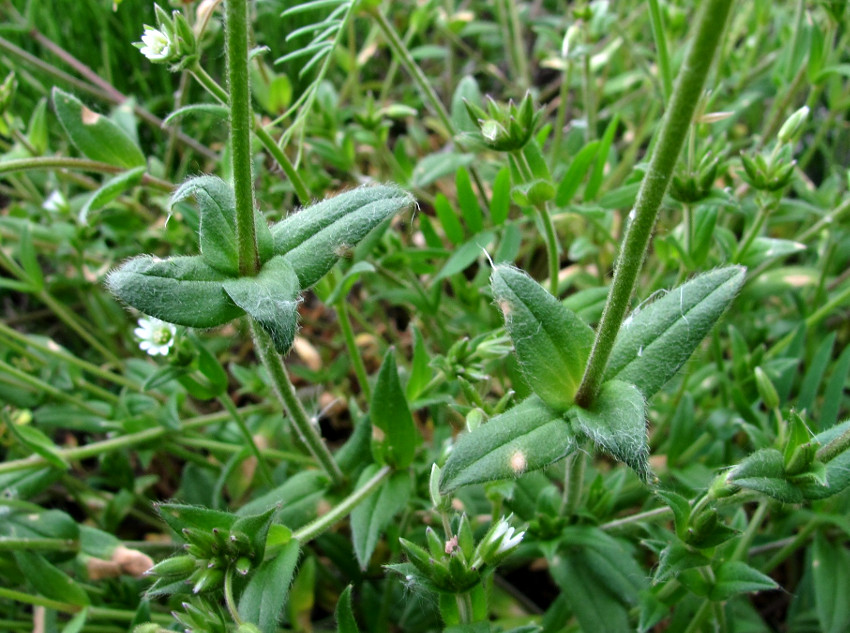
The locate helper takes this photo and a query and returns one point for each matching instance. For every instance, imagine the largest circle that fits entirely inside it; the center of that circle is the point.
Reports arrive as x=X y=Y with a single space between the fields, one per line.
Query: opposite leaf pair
x=206 y=290
x=553 y=344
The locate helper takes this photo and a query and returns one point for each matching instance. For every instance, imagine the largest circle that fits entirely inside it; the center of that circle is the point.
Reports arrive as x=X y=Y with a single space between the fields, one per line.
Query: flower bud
x=793 y=124
x=766 y=390
x=498 y=543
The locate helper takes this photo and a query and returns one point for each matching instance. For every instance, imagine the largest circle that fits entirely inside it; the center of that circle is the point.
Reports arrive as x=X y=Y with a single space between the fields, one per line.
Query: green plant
x=422 y=406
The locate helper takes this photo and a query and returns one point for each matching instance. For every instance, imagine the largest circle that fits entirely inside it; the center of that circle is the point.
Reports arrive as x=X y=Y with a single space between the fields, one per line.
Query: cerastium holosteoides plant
x=662 y=452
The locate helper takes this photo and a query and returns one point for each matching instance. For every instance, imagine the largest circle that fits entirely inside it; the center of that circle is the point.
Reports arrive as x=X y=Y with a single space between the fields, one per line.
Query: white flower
x=499 y=541
x=55 y=202
x=157 y=46
x=155 y=337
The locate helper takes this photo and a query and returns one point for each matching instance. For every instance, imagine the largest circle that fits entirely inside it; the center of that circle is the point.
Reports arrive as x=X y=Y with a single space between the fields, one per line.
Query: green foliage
x=659 y=413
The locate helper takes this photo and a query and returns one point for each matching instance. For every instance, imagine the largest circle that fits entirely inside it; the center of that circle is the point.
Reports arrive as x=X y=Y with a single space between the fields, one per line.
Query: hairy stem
x=241 y=123
x=674 y=128
x=341 y=510
x=285 y=391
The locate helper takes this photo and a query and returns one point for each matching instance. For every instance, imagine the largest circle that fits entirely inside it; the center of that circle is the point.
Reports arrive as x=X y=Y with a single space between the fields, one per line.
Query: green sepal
x=527 y=437
x=616 y=422
x=181 y=290
x=654 y=342
x=94 y=135
x=552 y=343
x=271 y=298
x=313 y=239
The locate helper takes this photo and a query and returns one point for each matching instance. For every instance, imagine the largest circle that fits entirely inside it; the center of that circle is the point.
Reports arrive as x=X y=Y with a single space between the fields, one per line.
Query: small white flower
x=157 y=46
x=155 y=337
x=497 y=543
x=55 y=202
x=511 y=538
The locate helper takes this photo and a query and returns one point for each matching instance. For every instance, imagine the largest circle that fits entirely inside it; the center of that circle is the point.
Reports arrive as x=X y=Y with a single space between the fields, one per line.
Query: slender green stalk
x=227 y=401
x=241 y=124
x=39 y=163
x=574 y=482
x=285 y=391
x=588 y=91
x=674 y=128
x=755 y=228
x=229 y=600
x=834 y=448
x=521 y=63
x=464 y=607
x=658 y=514
x=791 y=547
x=340 y=511
x=96 y=449
x=211 y=86
x=214 y=446
x=353 y=351
x=11 y=544
x=746 y=540
x=661 y=48
x=40 y=601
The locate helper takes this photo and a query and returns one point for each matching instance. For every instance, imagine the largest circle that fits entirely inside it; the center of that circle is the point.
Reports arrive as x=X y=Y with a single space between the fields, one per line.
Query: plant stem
x=285 y=391
x=574 y=482
x=228 y=597
x=211 y=86
x=10 y=543
x=227 y=401
x=464 y=607
x=746 y=540
x=834 y=448
x=42 y=387
x=241 y=123
x=353 y=351
x=658 y=514
x=81 y=164
x=340 y=511
x=96 y=449
x=674 y=128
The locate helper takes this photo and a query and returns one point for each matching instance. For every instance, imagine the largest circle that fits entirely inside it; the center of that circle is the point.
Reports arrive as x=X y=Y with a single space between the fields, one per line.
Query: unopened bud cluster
x=693 y=186
x=505 y=128
x=456 y=565
x=209 y=555
x=773 y=172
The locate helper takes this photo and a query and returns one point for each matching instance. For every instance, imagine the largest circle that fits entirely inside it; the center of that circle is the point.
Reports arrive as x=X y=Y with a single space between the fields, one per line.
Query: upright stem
x=353 y=351
x=289 y=399
x=661 y=49
x=241 y=123
x=674 y=128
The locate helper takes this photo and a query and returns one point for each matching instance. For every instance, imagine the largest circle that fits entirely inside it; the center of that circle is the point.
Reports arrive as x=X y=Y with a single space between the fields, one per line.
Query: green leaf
x=38 y=443
x=764 y=471
x=435 y=166
x=110 y=190
x=616 y=422
x=598 y=172
x=527 y=437
x=213 y=109
x=371 y=517
x=552 y=344
x=94 y=135
x=594 y=606
x=468 y=201
x=448 y=219
x=271 y=298
x=676 y=558
x=764 y=249
x=181 y=290
x=500 y=200
x=313 y=239
x=264 y=597
x=298 y=495
x=179 y=516
x=37 y=129
x=831 y=575
x=420 y=371
x=49 y=580
x=345 y=622
x=815 y=372
x=834 y=392
x=837 y=469
x=655 y=341
x=217 y=232
x=734 y=577
x=390 y=414
x=464 y=256
x=29 y=259
x=575 y=174
x=467 y=90
x=256 y=527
